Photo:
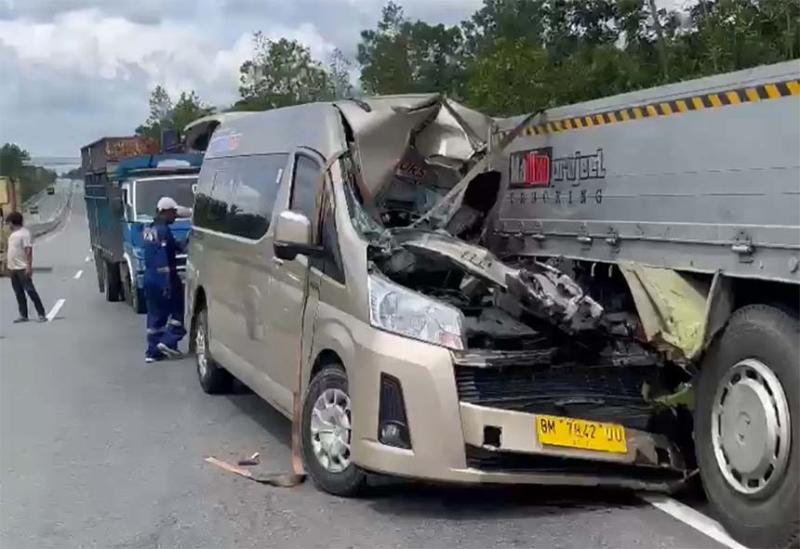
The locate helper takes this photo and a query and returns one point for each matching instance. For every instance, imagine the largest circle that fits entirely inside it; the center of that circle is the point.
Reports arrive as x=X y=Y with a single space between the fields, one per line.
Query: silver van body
x=309 y=281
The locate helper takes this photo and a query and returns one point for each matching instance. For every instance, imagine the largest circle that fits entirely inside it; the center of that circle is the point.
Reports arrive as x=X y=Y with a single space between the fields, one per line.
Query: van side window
x=256 y=182
x=305 y=184
x=220 y=198
x=209 y=211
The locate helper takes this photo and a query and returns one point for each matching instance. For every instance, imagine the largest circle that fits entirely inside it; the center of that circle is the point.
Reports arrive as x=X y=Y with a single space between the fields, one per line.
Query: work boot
x=42 y=319
x=169 y=352
x=20 y=319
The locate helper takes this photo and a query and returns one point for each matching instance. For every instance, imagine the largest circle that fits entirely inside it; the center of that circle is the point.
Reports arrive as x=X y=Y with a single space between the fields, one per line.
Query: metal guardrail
x=39 y=229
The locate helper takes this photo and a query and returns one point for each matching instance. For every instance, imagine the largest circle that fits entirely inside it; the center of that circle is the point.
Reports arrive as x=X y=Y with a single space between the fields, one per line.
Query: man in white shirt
x=19 y=260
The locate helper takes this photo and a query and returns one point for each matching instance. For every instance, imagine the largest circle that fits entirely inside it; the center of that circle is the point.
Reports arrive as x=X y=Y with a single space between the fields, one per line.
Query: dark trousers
x=22 y=283
x=164 y=319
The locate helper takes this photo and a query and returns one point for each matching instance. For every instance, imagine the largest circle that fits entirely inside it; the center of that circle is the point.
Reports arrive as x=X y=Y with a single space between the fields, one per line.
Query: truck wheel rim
x=200 y=350
x=751 y=427
x=330 y=430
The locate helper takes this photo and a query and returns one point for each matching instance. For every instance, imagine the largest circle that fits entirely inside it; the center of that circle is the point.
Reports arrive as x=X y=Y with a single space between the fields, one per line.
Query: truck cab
x=142 y=182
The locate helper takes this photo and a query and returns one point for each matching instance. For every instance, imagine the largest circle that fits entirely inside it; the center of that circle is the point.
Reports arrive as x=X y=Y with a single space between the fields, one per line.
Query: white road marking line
x=78 y=274
x=88 y=259
x=54 y=311
x=693 y=518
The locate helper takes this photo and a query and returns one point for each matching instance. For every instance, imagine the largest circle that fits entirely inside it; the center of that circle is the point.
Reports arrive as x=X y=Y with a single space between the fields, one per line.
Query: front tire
x=214 y=379
x=747 y=427
x=327 y=434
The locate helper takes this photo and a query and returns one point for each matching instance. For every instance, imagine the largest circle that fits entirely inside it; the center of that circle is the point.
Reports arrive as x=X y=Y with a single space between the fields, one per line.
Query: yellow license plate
x=578 y=433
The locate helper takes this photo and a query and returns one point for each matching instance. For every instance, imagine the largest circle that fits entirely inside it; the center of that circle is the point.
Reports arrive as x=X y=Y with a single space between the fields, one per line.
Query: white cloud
x=178 y=56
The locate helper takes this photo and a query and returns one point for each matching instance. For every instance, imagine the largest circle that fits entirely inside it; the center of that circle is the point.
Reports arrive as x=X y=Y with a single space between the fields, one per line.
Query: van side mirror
x=293 y=236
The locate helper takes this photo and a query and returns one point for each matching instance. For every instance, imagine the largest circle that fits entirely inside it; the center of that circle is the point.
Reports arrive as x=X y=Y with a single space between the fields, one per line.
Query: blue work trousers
x=164 y=318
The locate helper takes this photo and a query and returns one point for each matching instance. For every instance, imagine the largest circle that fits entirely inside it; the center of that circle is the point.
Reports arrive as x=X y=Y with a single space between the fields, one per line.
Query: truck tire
x=134 y=295
x=747 y=427
x=214 y=379
x=328 y=461
x=113 y=282
x=100 y=269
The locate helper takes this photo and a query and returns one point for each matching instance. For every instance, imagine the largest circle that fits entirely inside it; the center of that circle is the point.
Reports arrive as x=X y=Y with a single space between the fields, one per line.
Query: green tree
x=14 y=162
x=187 y=109
x=339 y=68
x=13 y=159
x=513 y=79
x=403 y=56
x=168 y=115
x=383 y=54
x=281 y=73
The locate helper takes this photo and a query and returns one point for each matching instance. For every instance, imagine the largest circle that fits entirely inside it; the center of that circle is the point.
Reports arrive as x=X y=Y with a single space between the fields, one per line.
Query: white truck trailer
x=682 y=203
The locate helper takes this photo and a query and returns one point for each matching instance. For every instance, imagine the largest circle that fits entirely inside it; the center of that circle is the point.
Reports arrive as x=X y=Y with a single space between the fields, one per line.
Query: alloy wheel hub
x=330 y=430
x=200 y=350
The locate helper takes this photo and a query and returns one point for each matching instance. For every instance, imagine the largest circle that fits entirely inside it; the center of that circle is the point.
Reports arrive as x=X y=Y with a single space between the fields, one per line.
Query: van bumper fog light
x=392 y=420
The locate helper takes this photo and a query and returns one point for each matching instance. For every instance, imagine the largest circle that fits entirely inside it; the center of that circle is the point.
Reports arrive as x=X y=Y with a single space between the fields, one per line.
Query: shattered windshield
x=370 y=229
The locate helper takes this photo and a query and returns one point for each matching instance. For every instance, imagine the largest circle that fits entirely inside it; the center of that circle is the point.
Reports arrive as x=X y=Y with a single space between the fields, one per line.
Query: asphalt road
x=99 y=450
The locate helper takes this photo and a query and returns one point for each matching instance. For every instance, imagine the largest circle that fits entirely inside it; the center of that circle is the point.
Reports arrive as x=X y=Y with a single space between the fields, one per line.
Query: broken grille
x=598 y=393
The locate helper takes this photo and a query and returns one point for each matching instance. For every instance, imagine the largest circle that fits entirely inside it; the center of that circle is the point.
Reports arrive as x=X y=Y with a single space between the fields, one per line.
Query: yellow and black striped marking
x=764 y=92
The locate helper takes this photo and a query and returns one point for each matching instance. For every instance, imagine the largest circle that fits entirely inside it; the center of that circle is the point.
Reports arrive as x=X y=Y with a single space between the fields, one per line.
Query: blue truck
x=123 y=179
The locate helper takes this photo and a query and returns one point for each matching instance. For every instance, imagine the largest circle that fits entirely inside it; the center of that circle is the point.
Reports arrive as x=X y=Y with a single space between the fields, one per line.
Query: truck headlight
x=401 y=311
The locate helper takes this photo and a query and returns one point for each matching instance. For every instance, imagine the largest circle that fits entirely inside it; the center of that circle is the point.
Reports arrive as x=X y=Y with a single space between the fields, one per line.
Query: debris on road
x=282 y=480
x=255 y=459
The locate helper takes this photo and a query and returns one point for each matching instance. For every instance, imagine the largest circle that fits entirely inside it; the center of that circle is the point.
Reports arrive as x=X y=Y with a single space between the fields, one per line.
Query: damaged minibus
x=335 y=268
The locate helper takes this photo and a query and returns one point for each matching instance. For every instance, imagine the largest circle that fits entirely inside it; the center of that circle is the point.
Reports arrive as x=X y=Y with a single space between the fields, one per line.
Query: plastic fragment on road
x=255 y=459
x=282 y=480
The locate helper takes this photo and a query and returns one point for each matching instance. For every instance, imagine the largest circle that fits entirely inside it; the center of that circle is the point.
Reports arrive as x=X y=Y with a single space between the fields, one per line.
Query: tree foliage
x=516 y=56
x=402 y=56
x=14 y=162
x=168 y=115
x=282 y=73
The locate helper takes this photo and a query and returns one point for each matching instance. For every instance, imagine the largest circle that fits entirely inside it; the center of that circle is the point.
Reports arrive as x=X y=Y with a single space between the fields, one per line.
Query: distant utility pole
x=662 y=46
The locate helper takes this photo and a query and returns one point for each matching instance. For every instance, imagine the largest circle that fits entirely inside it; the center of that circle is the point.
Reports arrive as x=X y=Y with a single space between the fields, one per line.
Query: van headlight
x=401 y=311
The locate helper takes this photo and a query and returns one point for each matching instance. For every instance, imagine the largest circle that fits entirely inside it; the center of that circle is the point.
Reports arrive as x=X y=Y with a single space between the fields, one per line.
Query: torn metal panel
x=672 y=308
x=414 y=138
x=411 y=151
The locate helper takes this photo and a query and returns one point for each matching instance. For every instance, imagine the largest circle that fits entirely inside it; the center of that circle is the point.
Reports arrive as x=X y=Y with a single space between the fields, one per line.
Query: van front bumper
x=447 y=435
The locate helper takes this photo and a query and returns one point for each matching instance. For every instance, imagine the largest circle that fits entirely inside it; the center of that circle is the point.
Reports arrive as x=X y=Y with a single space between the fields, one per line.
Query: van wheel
x=326 y=434
x=113 y=281
x=747 y=427
x=214 y=379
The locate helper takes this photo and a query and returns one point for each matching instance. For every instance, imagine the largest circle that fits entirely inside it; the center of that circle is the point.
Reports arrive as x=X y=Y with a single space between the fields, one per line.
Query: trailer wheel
x=113 y=282
x=747 y=427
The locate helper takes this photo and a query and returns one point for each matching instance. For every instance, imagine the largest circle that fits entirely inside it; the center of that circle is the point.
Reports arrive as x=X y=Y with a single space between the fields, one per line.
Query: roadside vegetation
x=14 y=162
x=513 y=56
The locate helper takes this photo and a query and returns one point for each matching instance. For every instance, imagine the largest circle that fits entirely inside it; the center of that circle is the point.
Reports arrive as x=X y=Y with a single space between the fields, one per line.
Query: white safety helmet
x=166 y=203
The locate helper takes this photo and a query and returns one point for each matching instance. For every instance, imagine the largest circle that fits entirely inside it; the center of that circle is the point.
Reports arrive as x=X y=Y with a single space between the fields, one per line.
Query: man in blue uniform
x=163 y=289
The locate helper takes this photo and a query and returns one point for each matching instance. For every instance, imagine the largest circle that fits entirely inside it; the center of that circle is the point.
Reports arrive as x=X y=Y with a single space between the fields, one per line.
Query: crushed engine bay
x=533 y=339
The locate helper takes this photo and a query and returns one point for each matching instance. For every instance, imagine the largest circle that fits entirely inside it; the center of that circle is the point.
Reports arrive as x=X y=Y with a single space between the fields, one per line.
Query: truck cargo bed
x=700 y=176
